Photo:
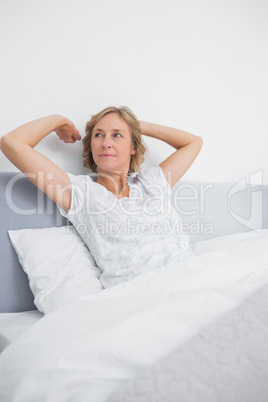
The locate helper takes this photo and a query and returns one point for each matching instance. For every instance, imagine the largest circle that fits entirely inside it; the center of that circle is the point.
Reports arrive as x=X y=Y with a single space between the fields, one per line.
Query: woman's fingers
x=72 y=139
x=77 y=136
x=68 y=135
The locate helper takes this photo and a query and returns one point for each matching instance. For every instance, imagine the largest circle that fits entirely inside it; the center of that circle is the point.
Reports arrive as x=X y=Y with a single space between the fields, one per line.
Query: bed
x=191 y=331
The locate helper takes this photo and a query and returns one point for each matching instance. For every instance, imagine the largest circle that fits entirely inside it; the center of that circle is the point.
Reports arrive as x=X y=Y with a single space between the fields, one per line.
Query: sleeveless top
x=131 y=235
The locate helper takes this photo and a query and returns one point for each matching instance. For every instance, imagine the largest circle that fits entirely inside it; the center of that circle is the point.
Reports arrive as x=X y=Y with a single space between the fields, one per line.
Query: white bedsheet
x=84 y=351
x=13 y=325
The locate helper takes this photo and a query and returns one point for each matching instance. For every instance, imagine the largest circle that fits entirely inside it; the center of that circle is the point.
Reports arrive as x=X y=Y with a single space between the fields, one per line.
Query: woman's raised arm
x=187 y=145
x=18 y=146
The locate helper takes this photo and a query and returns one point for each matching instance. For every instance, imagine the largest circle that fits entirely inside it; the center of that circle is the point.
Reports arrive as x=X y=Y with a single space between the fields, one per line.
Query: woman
x=126 y=220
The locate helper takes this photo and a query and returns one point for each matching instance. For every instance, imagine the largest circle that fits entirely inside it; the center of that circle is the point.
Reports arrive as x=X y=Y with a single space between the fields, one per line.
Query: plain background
x=200 y=66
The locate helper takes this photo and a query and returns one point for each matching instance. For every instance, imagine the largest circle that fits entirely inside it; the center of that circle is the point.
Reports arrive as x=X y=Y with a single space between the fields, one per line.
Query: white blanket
x=85 y=351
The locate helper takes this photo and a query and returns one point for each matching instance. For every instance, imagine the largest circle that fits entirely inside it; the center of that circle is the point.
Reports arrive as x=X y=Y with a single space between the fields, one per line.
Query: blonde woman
x=124 y=215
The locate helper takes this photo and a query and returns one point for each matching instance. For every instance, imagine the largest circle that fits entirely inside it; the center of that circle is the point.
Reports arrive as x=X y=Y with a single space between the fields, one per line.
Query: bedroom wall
x=197 y=65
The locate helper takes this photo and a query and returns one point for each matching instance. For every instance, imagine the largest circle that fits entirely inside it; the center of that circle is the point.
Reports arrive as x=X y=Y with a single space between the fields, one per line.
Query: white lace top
x=131 y=235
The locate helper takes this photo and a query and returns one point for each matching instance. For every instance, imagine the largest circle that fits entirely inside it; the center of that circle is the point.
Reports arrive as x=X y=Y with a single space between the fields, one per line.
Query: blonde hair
x=135 y=131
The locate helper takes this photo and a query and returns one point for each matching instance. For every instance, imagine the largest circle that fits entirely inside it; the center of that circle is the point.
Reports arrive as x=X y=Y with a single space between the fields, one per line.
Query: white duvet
x=85 y=350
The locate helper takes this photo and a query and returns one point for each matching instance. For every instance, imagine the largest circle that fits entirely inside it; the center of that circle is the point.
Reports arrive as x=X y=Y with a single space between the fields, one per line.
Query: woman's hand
x=143 y=126
x=68 y=132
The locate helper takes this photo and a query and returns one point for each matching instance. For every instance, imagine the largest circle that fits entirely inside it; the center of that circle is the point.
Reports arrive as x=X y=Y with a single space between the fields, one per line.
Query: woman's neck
x=115 y=183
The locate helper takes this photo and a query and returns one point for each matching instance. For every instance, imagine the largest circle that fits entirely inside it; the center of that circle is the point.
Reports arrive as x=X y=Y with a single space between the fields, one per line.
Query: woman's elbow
x=6 y=144
x=3 y=143
x=199 y=142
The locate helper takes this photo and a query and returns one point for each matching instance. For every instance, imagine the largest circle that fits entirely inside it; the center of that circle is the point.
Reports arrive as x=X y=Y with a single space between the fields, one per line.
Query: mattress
x=13 y=325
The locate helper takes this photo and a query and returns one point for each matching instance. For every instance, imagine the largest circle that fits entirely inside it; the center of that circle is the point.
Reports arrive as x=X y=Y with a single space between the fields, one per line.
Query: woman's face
x=111 y=144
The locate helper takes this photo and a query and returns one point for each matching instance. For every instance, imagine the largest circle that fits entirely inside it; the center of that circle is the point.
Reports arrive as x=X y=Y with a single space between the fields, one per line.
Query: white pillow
x=59 y=266
x=250 y=245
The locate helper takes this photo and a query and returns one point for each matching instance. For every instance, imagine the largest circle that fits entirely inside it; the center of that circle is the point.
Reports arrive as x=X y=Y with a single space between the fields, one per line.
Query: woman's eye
x=116 y=134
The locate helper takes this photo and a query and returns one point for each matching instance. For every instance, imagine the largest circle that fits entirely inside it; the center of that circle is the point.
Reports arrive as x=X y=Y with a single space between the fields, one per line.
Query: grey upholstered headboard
x=23 y=206
x=206 y=209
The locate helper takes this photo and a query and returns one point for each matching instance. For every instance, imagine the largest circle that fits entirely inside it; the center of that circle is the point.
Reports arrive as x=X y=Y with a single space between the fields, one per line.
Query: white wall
x=197 y=65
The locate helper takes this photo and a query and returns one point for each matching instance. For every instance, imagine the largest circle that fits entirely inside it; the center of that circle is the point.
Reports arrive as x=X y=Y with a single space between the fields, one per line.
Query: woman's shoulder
x=152 y=175
x=154 y=170
x=81 y=180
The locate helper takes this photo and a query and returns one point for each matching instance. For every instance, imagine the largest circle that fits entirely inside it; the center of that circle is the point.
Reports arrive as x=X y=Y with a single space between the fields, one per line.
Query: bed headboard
x=207 y=210
x=23 y=206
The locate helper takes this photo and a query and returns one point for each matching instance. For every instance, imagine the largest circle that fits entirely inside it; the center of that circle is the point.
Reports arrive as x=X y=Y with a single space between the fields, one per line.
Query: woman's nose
x=106 y=143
